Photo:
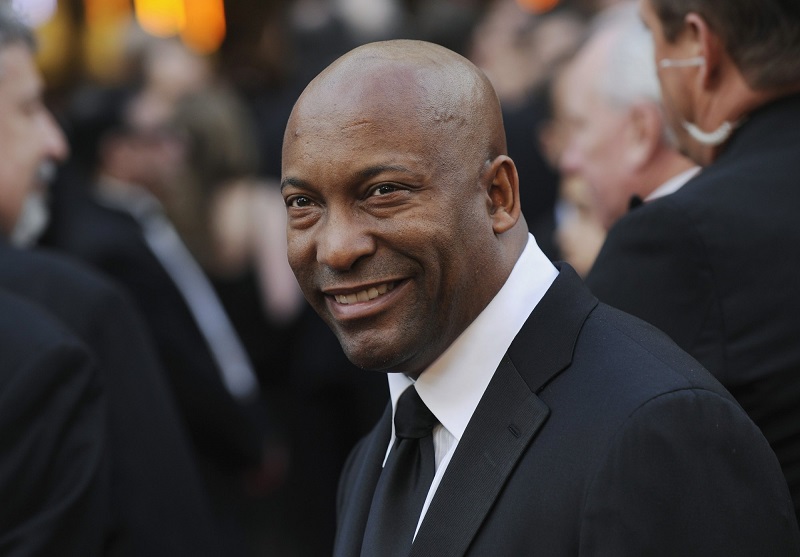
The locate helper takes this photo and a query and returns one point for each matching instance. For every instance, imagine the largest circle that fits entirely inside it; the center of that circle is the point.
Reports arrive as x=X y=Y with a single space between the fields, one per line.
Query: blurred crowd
x=167 y=183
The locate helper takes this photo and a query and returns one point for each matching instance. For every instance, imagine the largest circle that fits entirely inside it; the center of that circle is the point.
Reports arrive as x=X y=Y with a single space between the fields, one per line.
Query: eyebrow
x=289 y=181
x=373 y=171
x=365 y=174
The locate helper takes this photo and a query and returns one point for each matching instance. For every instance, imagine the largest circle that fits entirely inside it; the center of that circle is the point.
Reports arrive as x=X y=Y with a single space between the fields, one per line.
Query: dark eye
x=299 y=201
x=384 y=189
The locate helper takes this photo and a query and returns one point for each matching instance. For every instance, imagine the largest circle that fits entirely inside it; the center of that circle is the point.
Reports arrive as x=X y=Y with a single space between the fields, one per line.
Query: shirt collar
x=127 y=197
x=673 y=184
x=453 y=385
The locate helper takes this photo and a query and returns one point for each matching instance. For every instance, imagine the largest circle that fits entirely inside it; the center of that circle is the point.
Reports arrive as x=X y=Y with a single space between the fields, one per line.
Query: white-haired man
x=618 y=141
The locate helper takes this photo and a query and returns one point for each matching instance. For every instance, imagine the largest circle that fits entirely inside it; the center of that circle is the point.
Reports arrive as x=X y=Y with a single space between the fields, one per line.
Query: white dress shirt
x=453 y=385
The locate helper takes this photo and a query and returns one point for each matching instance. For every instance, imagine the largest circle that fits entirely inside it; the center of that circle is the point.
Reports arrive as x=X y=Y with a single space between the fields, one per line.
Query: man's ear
x=503 y=193
x=708 y=45
x=645 y=132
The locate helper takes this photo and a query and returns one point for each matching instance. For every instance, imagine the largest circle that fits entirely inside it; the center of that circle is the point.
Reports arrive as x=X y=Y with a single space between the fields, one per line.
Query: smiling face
x=390 y=227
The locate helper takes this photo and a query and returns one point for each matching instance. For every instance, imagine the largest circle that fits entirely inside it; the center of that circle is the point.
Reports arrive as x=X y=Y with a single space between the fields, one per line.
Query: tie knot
x=412 y=419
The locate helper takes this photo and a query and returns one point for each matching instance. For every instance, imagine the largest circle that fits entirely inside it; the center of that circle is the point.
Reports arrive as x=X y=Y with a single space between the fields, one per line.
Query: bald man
x=553 y=425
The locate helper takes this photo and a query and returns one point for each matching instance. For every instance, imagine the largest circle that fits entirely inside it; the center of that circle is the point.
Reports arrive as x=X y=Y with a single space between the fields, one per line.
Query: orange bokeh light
x=200 y=23
x=538 y=6
x=205 y=25
x=99 y=12
x=162 y=18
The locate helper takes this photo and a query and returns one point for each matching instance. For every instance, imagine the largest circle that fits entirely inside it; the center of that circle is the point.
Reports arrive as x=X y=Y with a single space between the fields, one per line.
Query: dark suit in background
x=717 y=267
x=112 y=241
x=585 y=443
x=228 y=436
x=159 y=504
x=54 y=482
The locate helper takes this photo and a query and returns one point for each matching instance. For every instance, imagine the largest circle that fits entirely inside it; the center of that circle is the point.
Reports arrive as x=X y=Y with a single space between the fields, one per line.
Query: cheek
x=589 y=143
x=299 y=254
x=11 y=200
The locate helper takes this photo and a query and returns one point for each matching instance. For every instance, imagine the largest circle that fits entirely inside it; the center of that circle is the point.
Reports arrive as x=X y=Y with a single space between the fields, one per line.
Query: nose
x=344 y=239
x=55 y=144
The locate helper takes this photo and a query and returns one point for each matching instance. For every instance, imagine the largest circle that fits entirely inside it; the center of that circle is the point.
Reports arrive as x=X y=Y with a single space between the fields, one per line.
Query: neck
x=665 y=164
x=732 y=104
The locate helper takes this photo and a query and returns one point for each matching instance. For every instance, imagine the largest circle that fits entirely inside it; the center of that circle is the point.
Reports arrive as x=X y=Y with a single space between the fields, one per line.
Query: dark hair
x=94 y=114
x=221 y=141
x=761 y=36
x=13 y=30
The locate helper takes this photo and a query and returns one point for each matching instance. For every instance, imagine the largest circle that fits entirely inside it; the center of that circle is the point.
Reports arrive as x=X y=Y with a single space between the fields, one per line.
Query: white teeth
x=365 y=295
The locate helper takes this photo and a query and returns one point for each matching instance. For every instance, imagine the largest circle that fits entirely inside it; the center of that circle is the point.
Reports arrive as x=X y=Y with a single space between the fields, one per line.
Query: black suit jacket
x=596 y=436
x=159 y=504
x=112 y=241
x=716 y=266
x=54 y=482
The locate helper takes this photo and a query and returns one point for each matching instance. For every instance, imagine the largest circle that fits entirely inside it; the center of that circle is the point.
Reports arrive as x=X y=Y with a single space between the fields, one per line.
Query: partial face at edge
x=389 y=231
x=675 y=96
x=29 y=136
x=597 y=138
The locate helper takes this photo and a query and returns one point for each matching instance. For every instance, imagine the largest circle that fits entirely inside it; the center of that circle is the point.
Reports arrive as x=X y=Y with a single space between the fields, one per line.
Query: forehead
x=584 y=80
x=378 y=94
x=18 y=74
x=371 y=112
x=648 y=15
x=579 y=92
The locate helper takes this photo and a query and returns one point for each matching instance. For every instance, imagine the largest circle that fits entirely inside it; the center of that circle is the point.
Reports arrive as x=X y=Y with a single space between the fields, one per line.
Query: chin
x=371 y=360
x=373 y=354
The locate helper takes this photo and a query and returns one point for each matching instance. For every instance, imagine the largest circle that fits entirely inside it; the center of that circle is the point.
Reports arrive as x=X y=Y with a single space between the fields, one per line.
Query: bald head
x=381 y=84
x=403 y=208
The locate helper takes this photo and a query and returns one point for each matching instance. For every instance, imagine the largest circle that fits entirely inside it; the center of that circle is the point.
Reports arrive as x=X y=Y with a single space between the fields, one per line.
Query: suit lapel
x=506 y=420
x=487 y=453
x=360 y=482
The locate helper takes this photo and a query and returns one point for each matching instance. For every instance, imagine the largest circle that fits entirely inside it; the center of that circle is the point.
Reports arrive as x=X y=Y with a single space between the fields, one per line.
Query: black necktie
x=404 y=482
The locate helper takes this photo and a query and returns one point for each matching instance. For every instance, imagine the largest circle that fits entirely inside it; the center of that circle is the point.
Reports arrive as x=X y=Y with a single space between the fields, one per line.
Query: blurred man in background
x=716 y=265
x=156 y=504
x=618 y=141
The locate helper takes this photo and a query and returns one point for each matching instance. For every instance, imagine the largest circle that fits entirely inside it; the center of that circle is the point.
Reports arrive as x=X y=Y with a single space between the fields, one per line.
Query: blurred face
x=595 y=146
x=388 y=223
x=154 y=154
x=579 y=233
x=29 y=136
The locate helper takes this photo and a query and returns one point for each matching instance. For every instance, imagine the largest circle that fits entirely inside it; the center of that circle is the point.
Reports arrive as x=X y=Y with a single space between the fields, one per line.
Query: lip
x=361 y=309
